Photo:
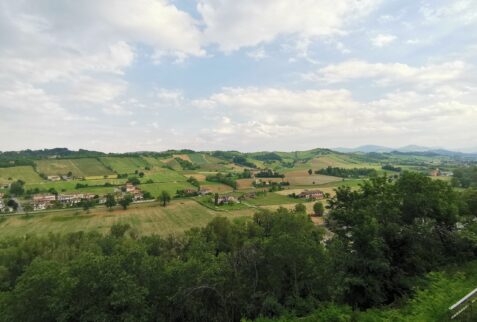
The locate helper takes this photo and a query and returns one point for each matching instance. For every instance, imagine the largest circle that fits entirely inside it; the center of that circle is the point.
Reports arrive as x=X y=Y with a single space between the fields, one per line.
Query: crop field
x=248 y=183
x=272 y=198
x=25 y=173
x=163 y=175
x=146 y=219
x=79 y=167
x=156 y=188
x=70 y=186
x=198 y=158
x=302 y=178
x=125 y=164
x=153 y=162
x=216 y=187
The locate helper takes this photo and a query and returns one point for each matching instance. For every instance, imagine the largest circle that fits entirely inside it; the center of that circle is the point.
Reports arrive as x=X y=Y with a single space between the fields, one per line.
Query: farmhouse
x=226 y=199
x=41 y=202
x=135 y=192
x=54 y=178
x=312 y=194
x=205 y=191
x=73 y=199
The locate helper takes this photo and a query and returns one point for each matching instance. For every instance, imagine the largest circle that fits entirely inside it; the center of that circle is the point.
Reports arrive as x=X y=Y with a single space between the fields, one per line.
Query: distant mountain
x=365 y=149
x=409 y=149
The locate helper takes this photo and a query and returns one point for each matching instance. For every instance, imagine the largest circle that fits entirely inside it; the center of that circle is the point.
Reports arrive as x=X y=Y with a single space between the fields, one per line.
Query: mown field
x=125 y=164
x=79 y=167
x=25 y=173
x=147 y=219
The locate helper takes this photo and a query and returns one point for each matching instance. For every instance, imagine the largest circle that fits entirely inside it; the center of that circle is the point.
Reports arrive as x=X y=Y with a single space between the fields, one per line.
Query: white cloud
x=382 y=40
x=236 y=24
x=391 y=73
x=257 y=54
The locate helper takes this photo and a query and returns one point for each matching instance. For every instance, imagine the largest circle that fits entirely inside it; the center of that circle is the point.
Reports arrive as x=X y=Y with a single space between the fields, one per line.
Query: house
x=1 y=205
x=226 y=199
x=205 y=191
x=311 y=194
x=42 y=201
x=435 y=173
x=134 y=191
x=2 y=195
x=54 y=178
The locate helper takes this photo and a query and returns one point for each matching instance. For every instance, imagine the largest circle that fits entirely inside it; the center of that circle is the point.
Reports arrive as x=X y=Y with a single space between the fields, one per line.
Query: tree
x=134 y=181
x=12 y=204
x=110 y=201
x=16 y=188
x=164 y=198
x=118 y=230
x=126 y=201
x=87 y=204
x=216 y=199
x=318 y=208
x=310 y=172
x=28 y=207
x=300 y=208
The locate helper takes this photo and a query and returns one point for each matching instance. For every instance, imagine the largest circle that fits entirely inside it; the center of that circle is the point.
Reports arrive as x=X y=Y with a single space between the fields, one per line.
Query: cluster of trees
x=390 y=167
x=186 y=164
x=193 y=181
x=386 y=236
x=241 y=160
x=270 y=156
x=269 y=173
x=465 y=177
x=347 y=173
x=227 y=179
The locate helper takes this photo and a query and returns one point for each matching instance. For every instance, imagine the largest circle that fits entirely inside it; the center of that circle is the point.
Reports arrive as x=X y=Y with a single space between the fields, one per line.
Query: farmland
x=79 y=167
x=124 y=164
x=25 y=173
x=144 y=218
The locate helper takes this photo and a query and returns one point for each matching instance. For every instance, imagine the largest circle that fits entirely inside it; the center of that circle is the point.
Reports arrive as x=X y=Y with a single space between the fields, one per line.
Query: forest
x=384 y=238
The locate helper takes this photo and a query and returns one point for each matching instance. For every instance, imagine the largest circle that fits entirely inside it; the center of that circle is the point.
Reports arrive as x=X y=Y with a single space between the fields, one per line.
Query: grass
x=70 y=186
x=301 y=177
x=25 y=173
x=272 y=198
x=163 y=175
x=79 y=167
x=156 y=188
x=150 y=218
x=125 y=164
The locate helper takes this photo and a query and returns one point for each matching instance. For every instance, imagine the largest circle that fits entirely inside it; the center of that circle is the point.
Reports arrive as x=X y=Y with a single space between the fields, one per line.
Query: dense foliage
x=226 y=179
x=386 y=237
x=347 y=173
x=465 y=177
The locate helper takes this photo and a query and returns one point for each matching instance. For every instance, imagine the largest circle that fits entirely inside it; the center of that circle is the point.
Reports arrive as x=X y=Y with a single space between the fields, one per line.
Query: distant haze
x=116 y=76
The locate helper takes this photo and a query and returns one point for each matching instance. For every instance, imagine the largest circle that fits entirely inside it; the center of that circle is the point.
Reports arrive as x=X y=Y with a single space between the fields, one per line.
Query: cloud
x=382 y=40
x=257 y=54
x=391 y=73
x=246 y=23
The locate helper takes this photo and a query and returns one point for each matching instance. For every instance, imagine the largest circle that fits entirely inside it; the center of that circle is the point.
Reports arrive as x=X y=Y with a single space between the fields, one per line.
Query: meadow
x=125 y=164
x=146 y=219
x=79 y=167
x=25 y=173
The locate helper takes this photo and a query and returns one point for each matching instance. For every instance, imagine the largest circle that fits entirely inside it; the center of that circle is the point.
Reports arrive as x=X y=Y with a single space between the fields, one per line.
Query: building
x=311 y=194
x=41 y=202
x=134 y=191
x=226 y=199
x=54 y=178
x=205 y=191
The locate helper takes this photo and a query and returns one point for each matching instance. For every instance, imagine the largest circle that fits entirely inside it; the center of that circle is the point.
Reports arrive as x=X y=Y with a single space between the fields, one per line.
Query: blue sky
x=247 y=75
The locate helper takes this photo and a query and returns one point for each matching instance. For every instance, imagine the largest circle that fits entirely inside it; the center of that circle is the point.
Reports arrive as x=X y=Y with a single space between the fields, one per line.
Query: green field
x=70 y=186
x=156 y=188
x=125 y=164
x=163 y=175
x=25 y=173
x=79 y=167
x=147 y=218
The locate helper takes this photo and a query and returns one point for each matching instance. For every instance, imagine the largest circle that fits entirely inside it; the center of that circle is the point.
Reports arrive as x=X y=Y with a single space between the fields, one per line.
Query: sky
x=248 y=75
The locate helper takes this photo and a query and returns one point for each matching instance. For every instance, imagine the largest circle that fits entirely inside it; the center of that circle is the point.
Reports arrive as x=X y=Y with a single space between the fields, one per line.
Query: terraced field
x=145 y=219
x=25 y=173
x=163 y=175
x=302 y=178
x=125 y=164
x=79 y=167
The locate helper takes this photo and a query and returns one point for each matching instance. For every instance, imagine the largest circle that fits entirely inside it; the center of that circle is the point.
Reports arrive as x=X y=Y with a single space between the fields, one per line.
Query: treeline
x=227 y=179
x=465 y=177
x=186 y=164
x=347 y=173
x=386 y=236
x=390 y=167
x=269 y=174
